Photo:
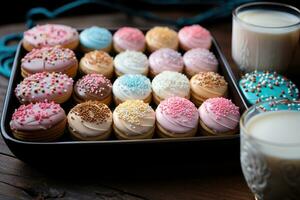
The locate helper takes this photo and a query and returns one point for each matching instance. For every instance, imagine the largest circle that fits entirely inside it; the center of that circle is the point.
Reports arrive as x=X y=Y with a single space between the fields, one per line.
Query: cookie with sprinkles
x=93 y=87
x=90 y=120
x=134 y=119
x=165 y=59
x=49 y=59
x=218 y=116
x=43 y=86
x=40 y=122
x=131 y=62
x=169 y=84
x=161 y=37
x=260 y=86
x=132 y=86
x=49 y=35
x=98 y=62
x=176 y=117
x=129 y=38
x=205 y=85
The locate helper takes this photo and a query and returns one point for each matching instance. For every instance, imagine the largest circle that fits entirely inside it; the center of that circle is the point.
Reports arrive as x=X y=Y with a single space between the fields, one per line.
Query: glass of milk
x=265 y=36
x=270 y=149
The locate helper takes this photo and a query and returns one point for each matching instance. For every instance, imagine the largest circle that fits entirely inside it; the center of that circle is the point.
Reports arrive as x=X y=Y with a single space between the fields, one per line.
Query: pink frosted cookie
x=129 y=38
x=219 y=116
x=43 y=86
x=165 y=59
x=176 y=117
x=49 y=59
x=194 y=36
x=38 y=122
x=50 y=35
x=199 y=60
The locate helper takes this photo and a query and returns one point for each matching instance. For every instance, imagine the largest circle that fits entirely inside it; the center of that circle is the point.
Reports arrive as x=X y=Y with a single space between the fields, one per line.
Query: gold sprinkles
x=209 y=80
x=133 y=111
x=92 y=111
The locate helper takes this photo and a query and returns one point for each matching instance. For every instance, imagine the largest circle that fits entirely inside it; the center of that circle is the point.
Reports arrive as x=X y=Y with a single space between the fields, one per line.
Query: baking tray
x=170 y=151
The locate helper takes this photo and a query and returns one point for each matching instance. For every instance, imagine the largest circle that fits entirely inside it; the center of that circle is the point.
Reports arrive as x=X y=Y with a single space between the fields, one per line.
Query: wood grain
x=21 y=181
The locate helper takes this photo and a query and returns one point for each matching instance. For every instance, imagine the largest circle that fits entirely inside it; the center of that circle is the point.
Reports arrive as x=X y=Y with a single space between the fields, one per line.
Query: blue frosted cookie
x=132 y=86
x=259 y=86
x=95 y=38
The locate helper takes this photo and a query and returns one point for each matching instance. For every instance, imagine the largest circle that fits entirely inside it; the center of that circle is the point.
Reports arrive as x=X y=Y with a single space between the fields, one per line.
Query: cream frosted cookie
x=134 y=119
x=168 y=84
x=98 y=62
x=205 y=85
x=90 y=120
x=131 y=62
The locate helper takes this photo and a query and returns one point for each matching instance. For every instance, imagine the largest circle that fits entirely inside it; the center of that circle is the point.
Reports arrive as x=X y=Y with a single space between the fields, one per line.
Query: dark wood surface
x=21 y=181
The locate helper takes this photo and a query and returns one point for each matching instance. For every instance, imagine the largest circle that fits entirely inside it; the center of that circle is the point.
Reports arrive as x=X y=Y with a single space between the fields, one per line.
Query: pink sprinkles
x=222 y=107
x=94 y=83
x=51 y=34
x=40 y=111
x=179 y=108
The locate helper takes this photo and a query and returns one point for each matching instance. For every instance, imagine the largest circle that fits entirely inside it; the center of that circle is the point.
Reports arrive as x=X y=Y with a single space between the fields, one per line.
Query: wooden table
x=21 y=181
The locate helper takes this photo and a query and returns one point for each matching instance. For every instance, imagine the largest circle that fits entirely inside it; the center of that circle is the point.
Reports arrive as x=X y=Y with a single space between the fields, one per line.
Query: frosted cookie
x=129 y=38
x=161 y=37
x=168 y=84
x=90 y=120
x=218 y=116
x=176 y=117
x=49 y=59
x=43 y=86
x=131 y=62
x=130 y=87
x=165 y=60
x=134 y=119
x=95 y=38
x=259 y=86
x=50 y=35
x=39 y=122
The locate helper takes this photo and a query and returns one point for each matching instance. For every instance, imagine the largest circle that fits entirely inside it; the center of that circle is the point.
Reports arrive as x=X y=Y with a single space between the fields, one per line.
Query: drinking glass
x=261 y=43
x=271 y=169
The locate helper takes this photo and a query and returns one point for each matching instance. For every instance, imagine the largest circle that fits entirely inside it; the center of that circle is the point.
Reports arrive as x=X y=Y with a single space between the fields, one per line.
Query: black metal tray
x=195 y=150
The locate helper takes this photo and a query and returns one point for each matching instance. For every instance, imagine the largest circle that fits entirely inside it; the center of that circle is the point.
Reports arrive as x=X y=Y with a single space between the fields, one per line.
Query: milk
x=261 y=39
x=276 y=147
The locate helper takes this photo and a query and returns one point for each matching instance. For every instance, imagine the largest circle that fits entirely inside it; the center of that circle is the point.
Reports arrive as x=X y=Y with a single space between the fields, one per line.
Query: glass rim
x=243 y=130
x=236 y=10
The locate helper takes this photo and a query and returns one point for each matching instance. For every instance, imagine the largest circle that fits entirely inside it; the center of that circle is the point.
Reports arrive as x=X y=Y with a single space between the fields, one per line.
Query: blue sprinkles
x=135 y=84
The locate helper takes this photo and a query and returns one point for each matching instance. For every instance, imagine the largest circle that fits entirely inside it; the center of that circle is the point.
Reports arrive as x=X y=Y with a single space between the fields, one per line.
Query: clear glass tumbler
x=270 y=149
x=265 y=36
